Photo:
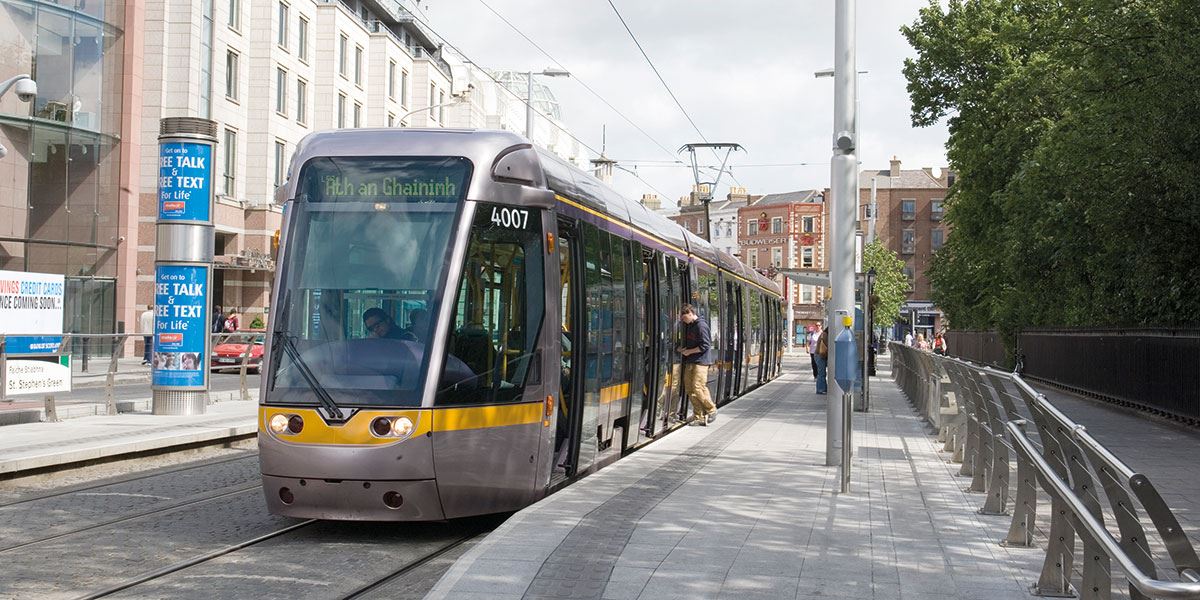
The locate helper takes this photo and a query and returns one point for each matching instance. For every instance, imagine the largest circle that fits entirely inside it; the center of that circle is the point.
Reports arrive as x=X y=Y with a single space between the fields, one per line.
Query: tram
x=462 y=323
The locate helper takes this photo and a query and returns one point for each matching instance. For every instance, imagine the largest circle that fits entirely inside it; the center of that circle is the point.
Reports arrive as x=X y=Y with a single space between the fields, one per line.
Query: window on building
x=908 y=209
x=806 y=294
x=442 y=108
x=235 y=15
x=280 y=164
x=357 y=115
x=937 y=237
x=777 y=257
x=776 y=224
x=807 y=258
x=391 y=86
x=302 y=39
x=911 y=276
x=364 y=14
x=403 y=88
x=230 y=147
x=282 y=39
x=752 y=227
x=391 y=120
x=343 y=42
x=301 y=101
x=341 y=111
x=808 y=224
x=935 y=210
x=281 y=79
x=231 y=75
x=908 y=242
x=358 y=65
x=754 y=258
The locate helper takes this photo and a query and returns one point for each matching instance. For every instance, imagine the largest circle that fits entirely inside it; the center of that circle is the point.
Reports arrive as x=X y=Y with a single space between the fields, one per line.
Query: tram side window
x=491 y=353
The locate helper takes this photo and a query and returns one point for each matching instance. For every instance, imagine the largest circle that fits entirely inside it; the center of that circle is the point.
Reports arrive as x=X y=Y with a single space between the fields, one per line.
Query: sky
x=742 y=70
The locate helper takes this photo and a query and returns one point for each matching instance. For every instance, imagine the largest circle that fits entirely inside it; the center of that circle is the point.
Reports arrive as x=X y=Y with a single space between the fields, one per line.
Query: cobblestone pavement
x=757 y=516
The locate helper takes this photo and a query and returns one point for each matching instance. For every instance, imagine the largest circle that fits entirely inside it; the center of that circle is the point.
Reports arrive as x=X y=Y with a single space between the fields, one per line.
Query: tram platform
x=746 y=509
x=30 y=447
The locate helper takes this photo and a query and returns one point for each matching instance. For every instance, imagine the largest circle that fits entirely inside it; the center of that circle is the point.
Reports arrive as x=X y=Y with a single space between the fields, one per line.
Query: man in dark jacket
x=697 y=357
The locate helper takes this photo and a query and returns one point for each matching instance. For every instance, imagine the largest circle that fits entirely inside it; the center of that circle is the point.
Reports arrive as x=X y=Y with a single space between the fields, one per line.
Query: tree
x=1075 y=143
x=891 y=285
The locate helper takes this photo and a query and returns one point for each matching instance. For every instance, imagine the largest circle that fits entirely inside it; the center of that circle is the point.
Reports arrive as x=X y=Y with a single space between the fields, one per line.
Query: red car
x=229 y=354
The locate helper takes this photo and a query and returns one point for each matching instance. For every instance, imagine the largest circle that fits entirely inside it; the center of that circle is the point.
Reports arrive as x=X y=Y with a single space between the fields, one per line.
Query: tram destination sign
x=389 y=187
x=184 y=181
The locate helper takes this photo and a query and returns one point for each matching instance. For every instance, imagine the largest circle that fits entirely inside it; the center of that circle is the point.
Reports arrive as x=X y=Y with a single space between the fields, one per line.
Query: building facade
x=723 y=217
x=909 y=222
x=78 y=187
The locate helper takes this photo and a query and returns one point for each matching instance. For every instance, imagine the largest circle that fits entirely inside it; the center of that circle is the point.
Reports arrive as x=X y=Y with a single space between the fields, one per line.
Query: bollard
x=51 y=409
x=245 y=360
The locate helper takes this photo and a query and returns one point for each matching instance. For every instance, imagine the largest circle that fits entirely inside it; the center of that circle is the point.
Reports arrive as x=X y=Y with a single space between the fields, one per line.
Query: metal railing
x=1089 y=488
x=86 y=349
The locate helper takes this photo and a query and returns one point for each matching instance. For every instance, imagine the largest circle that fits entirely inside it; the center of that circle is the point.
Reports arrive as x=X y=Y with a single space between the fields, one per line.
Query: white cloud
x=742 y=70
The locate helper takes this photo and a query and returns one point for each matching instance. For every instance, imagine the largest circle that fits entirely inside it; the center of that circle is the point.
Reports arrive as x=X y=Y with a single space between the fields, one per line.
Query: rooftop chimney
x=651 y=202
x=895 y=167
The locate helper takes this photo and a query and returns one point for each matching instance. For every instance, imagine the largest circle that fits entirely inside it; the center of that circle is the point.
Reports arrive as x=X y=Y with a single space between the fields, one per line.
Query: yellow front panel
x=355 y=432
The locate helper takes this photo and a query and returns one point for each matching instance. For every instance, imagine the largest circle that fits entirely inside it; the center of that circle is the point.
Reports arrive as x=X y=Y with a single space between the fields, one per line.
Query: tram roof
x=482 y=147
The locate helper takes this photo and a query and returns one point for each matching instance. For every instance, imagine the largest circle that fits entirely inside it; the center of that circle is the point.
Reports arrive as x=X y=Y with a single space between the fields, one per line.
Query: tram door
x=567 y=427
x=729 y=342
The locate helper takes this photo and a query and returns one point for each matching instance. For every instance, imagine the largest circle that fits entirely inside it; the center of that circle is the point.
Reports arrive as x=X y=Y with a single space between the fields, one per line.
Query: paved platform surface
x=746 y=509
x=39 y=445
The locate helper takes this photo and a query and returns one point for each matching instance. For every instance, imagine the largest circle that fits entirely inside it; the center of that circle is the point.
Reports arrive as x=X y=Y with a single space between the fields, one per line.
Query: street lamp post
x=456 y=99
x=529 y=95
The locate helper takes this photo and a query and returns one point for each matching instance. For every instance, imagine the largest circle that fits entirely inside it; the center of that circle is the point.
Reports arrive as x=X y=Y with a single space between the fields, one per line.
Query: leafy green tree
x=1074 y=138
x=891 y=286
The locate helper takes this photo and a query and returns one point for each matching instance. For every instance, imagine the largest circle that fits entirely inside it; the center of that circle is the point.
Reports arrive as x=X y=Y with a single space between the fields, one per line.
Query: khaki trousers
x=695 y=384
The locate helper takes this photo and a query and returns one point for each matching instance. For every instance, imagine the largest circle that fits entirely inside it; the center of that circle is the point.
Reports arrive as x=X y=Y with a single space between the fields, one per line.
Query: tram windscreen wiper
x=323 y=396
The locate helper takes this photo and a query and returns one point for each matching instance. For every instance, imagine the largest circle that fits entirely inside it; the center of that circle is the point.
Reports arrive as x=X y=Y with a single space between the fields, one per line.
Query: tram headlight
x=278 y=423
x=402 y=426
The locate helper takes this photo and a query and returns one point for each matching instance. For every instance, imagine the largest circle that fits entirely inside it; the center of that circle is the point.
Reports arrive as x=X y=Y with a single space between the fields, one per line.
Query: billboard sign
x=184 y=181
x=31 y=303
x=180 y=325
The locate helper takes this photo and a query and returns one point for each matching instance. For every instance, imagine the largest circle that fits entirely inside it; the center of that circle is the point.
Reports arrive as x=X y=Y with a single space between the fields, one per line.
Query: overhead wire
x=664 y=82
x=574 y=76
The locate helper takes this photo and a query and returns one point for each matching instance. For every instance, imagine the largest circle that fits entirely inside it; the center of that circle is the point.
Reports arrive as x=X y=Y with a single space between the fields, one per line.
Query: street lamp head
x=551 y=72
x=823 y=73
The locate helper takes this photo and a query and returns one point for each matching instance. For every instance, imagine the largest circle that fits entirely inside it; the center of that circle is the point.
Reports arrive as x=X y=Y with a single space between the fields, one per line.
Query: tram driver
x=379 y=324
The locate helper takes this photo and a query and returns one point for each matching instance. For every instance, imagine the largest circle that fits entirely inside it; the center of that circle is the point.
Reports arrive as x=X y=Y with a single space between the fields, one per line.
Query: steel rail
x=402 y=571
x=191 y=562
x=1155 y=588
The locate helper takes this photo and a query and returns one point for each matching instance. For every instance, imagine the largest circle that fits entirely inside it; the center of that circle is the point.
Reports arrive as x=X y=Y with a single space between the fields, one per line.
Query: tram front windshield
x=368 y=250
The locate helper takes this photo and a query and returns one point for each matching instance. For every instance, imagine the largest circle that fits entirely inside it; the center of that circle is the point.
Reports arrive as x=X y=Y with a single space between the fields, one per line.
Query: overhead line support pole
x=843 y=209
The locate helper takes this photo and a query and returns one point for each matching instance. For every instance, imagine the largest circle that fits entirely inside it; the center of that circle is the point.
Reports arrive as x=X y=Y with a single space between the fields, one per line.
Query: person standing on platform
x=822 y=351
x=146 y=328
x=908 y=339
x=813 y=336
x=696 y=359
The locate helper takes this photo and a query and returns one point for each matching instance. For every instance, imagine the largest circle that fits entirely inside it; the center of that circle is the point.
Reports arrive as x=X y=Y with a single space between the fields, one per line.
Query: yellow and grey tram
x=462 y=323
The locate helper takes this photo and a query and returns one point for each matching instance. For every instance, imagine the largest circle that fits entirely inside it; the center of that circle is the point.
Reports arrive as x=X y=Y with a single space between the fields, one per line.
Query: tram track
x=158 y=510
x=366 y=590
x=191 y=562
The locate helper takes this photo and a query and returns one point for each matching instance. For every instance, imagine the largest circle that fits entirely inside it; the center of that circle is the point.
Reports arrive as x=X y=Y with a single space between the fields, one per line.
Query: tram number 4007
x=512 y=218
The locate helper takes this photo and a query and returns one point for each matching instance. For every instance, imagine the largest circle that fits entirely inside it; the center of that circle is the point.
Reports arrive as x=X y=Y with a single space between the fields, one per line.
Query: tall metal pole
x=529 y=105
x=874 y=212
x=843 y=209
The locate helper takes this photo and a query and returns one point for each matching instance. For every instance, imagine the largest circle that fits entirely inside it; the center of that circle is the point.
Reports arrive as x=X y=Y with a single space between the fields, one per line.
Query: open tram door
x=569 y=418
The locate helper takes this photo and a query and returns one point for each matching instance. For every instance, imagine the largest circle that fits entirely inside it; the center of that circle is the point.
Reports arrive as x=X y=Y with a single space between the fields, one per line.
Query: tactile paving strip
x=581 y=565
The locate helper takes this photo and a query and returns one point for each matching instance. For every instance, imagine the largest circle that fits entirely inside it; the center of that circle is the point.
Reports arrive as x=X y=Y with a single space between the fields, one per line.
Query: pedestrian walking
x=233 y=322
x=697 y=341
x=908 y=339
x=146 y=328
x=921 y=343
x=218 y=322
x=822 y=353
x=939 y=344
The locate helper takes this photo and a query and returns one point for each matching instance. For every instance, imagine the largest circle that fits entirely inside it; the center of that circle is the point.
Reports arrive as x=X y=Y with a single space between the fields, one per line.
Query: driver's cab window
x=491 y=352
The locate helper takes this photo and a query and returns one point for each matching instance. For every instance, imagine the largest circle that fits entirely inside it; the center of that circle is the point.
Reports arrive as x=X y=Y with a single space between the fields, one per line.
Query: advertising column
x=183 y=266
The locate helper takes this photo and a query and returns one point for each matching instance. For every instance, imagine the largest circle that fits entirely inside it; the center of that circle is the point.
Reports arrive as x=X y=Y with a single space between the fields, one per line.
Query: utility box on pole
x=183 y=266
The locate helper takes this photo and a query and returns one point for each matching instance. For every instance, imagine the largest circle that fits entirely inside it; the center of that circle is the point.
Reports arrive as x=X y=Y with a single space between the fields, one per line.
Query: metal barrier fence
x=982 y=415
x=1152 y=369
x=983 y=347
x=88 y=351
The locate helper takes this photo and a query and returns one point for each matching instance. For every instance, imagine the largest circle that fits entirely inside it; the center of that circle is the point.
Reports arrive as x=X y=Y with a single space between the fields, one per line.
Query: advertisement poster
x=184 y=181
x=180 y=325
x=31 y=303
x=37 y=376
